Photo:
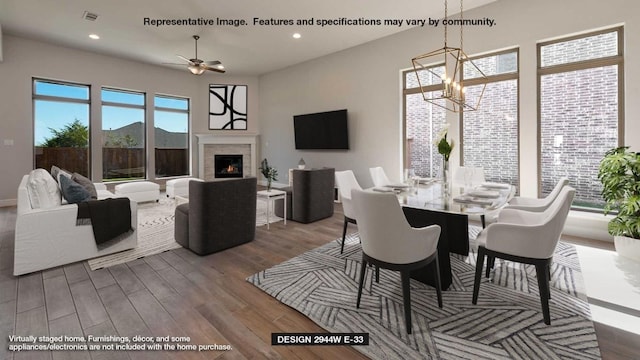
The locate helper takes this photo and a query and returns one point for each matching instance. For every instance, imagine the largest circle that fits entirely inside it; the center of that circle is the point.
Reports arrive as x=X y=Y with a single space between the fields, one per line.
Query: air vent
x=89 y=16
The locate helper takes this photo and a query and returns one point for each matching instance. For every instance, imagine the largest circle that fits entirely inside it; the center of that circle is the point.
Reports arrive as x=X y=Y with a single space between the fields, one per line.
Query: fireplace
x=228 y=166
x=210 y=145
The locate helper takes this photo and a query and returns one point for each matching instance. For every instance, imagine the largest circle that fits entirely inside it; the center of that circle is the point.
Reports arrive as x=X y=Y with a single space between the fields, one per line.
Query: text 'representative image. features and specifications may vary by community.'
x=321 y=22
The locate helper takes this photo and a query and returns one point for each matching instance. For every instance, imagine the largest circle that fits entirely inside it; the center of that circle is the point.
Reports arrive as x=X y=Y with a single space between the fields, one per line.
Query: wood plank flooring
x=178 y=293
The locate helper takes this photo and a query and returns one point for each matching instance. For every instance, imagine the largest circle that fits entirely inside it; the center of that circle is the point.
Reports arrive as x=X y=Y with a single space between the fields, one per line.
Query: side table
x=270 y=196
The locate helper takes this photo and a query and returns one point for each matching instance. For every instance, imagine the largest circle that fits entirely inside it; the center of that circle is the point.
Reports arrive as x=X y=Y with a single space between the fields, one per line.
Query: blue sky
x=56 y=114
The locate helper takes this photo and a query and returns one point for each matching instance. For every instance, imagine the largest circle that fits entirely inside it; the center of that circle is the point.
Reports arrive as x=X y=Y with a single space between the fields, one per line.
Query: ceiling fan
x=198 y=66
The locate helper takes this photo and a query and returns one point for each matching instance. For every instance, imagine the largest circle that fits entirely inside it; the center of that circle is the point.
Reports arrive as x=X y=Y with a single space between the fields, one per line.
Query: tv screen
x=325 y=130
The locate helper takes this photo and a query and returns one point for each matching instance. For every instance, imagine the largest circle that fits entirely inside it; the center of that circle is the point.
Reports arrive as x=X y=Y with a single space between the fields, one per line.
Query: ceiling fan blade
x=165 y=63
x=214 y=69
x=185 y=59
x=212 y=63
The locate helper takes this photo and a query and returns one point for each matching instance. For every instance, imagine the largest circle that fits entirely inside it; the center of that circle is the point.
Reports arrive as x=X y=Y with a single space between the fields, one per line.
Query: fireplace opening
x=228 y=166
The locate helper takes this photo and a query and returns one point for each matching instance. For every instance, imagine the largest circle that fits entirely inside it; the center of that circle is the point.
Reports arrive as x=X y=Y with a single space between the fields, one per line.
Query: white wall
x=24 y=59
x=366 y=80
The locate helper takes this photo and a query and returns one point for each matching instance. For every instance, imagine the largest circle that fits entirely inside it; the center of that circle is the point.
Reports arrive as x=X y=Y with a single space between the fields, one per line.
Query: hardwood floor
x=178 y=293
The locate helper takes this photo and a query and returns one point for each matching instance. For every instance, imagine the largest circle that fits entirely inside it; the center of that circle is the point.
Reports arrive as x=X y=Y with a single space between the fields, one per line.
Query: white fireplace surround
x=250 y=139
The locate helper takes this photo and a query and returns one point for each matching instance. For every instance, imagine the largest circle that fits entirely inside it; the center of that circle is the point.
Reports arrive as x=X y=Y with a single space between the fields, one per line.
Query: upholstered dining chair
x=346 y=181
x=379 y=177
x=526 y=237
x=538 y=205
x=388 y=241
x=527 y=204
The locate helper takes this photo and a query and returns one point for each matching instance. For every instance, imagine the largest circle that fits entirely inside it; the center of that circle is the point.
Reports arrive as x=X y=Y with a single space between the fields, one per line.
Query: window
x=490 y=134
x=123 y=135
x=61 y=125
x=171 y=120
x=580 y=82
x=422 y=123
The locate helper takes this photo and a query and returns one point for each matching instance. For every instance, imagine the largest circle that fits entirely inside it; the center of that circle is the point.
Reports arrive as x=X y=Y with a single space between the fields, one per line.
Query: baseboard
x=8 y=202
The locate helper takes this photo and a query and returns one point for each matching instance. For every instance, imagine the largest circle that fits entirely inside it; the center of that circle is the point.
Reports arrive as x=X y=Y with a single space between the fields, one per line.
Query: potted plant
x=269 y=173
x=444 y=148
x=620 y=176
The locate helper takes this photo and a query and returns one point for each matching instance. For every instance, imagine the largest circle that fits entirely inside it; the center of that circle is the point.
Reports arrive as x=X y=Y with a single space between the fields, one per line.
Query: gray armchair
x=219 y=215
x=310 y=198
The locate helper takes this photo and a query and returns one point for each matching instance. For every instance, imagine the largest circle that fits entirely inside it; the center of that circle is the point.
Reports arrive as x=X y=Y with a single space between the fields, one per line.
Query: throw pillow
x=72 y=191
x=55 y=171
x=43 y=190
x=86 y=183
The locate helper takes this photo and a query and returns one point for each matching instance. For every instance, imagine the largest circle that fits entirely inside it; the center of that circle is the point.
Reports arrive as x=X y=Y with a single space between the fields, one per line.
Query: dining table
x=427 y=202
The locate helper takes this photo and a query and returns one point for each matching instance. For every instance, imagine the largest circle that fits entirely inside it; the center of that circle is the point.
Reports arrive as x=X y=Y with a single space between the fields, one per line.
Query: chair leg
x=549 y=277
x=476 y=282
x=436 y=273
x=406 y=295
x=482 y=219
x=377 y=274
x=363 y=268
x=344 y=234
x=543 y=285
x=490 y=263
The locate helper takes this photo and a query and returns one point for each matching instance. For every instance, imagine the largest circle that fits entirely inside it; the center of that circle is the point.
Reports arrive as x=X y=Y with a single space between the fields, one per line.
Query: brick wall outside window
x=490 y=134
x=578 y=114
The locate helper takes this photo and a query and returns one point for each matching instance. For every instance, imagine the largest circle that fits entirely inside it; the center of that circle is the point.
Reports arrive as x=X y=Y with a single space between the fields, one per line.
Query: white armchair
x=538 y=205
x=388 y=241
x=379 y=177
x=346 y=182
x=525 y=237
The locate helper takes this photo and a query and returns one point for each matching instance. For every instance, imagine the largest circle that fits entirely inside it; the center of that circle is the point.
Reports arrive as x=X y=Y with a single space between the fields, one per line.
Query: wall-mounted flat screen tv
x=321 y=131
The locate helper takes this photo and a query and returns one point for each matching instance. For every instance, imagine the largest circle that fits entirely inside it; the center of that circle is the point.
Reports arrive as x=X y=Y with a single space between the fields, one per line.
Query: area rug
x=156 y=230
x=506 y=323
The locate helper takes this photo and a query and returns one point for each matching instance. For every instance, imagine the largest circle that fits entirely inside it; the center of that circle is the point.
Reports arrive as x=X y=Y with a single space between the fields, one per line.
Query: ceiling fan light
x=196 y=70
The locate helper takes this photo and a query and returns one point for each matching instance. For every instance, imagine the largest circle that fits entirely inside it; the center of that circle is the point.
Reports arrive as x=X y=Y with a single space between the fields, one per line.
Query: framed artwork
x=227 y=107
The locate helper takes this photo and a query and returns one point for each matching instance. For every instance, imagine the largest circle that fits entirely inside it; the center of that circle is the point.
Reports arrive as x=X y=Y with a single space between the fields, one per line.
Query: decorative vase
x=627 y=247
x=301 y=164
x=446 y=178
x=269 y=184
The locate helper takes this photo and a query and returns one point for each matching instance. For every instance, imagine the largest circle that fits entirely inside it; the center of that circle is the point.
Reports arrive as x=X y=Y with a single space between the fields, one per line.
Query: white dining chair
x=379 y=177
x=346 y=181
x=526 y=237
x=388 y=241
x=538 y=205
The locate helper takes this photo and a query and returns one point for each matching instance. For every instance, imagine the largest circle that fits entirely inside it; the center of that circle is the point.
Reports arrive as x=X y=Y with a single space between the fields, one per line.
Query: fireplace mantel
x=250 y=139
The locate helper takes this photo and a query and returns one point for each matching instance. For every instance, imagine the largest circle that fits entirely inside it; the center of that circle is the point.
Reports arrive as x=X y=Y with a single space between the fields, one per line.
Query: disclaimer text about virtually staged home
x=29 y=343
x=321 y=22
x=109 y=343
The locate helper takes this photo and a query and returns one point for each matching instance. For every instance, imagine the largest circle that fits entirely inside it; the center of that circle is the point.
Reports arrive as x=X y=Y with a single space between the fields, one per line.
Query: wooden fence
x=117 y=163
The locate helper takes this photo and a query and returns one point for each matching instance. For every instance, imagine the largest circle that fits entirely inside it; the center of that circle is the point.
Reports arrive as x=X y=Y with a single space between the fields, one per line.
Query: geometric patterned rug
x=506 y=323
x=156 y=229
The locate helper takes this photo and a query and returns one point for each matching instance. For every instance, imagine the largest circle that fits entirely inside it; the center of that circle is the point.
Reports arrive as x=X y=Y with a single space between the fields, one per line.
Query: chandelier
x=443 y=84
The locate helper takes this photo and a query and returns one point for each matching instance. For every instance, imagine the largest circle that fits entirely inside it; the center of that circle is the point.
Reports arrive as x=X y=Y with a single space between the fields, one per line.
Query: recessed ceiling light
x=94 y=36
x=297 y=36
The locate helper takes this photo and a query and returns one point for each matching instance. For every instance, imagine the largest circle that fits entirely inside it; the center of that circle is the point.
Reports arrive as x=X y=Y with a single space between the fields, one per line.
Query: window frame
x=35 y=97
x=145 y=139
x=489 y=80
x=413 y=91
x=617 y=59
x=186 y=111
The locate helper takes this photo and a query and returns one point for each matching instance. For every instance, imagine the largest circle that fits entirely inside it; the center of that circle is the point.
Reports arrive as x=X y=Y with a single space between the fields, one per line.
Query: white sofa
x=49 y=237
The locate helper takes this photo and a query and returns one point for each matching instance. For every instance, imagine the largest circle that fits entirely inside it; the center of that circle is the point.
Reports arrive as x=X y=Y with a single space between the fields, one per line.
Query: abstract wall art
x=227 y=107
